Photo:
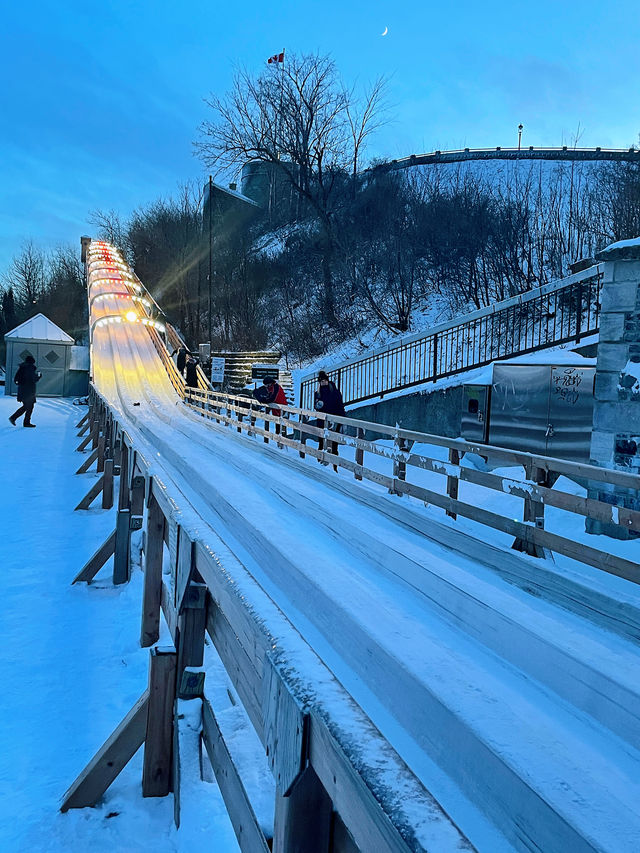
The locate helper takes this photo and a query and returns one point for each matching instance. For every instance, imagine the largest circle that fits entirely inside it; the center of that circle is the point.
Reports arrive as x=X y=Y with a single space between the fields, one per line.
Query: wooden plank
x=370 y=827
x=97 y=561
x=245 y=824
x=245 y=678
x=185 y=566
x=342 y=840
x=156 y=771
x=122 y=556
x=170 y=615
x=583 y=553
x=82 y=420
x=100 y=450
x=191 y=625
x=88 y=462
x=285 y=722
x=92 y=494
x=107 y=488
x=84 y=443
x=112 y=756
x=152 y=591
x=303 y=820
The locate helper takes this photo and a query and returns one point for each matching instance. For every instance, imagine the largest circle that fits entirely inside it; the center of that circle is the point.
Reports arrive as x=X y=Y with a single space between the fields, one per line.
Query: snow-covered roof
x=39 y=328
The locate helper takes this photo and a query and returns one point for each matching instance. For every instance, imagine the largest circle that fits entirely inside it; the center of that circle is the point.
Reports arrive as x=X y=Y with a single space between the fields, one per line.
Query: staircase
x=237 y=369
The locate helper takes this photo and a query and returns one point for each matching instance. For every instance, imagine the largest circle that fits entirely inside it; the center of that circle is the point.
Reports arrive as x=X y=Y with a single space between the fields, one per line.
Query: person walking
x=181 y=360
x=192 y=372
x=26 y=378
x=327 y=399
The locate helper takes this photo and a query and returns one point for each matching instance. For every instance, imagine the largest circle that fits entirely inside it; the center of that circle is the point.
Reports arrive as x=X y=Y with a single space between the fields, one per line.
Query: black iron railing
x=563 y=311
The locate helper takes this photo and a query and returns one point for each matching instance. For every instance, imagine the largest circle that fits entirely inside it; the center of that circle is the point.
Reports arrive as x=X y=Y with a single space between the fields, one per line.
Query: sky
x=100 y=103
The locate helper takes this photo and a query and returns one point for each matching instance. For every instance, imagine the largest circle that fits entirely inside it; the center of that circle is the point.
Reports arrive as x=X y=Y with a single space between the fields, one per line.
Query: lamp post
x=520 y=129
x=210 y=253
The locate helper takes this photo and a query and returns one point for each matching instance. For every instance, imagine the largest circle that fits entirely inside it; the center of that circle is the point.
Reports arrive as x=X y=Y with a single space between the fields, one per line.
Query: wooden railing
x=293 y=427
x=554 y=314
x=324 y=753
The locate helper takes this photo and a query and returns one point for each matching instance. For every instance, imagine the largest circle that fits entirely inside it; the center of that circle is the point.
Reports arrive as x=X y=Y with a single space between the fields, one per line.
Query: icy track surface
x=519 y=716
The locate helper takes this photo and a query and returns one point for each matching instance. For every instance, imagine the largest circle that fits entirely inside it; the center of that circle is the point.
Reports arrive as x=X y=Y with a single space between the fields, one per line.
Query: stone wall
x=615 y=441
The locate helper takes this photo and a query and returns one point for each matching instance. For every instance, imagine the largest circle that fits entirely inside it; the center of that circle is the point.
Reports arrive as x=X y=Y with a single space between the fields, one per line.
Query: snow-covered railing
x=553 y=314
x=336 y=778
x=564 y=153
x=294 y=427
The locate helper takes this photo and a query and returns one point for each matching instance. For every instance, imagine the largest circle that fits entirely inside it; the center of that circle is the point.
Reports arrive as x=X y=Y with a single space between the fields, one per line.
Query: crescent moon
x=386 y=30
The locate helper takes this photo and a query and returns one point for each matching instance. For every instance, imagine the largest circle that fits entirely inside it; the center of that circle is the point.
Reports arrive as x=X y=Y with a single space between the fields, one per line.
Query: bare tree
x=26 y=275
x=300 y=119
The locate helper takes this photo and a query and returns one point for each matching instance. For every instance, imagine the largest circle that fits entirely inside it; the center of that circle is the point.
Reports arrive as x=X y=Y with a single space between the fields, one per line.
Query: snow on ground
x=72 y=665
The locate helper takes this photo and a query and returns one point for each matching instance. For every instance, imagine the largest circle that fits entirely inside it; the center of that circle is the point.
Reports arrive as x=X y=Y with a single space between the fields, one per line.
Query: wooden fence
x=293 y=427
x=324 y=753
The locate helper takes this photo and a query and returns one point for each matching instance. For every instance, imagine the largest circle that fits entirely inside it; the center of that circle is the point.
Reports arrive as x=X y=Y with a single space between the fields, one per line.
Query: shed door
x=51 y=361
x=570 y=412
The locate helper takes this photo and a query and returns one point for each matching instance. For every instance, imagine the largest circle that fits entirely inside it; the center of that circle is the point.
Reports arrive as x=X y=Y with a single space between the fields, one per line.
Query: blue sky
x=99 y=103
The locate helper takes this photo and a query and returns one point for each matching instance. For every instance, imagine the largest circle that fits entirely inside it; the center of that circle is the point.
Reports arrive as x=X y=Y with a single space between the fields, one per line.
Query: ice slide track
x=352 y=588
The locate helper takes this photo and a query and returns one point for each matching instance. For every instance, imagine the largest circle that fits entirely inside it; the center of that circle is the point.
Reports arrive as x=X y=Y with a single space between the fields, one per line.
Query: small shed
x=64 y=366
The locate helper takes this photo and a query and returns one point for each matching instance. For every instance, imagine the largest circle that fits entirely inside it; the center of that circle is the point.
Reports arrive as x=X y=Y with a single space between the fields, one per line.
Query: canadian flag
x=277 y=57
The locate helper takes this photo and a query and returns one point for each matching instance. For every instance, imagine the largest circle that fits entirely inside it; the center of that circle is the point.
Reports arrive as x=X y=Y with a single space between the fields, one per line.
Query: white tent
x=55 y=354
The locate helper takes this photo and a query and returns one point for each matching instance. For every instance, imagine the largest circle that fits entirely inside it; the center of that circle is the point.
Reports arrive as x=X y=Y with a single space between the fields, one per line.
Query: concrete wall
x=437 y=412
x=615 y=441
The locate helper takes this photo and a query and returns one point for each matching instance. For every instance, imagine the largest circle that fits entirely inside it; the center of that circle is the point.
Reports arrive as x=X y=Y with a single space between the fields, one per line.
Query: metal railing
x=553 y=314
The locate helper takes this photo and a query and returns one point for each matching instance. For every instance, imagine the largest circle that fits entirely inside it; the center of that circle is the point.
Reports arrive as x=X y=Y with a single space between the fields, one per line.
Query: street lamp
x=520 y=129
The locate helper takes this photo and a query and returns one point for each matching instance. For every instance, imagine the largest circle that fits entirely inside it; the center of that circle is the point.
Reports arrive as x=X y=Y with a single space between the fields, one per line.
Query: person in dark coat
x=181 y=360
x=26 y=378
x=192 y=372
x=328 y=400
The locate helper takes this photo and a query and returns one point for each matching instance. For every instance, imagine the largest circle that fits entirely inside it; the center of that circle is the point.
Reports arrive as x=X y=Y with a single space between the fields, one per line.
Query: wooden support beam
x=85 y=429
x=112 y=756
x=152 y=592
x=453 y=482
x=532 y=511
x=95 y=563
x=359 y=455
x=245 y=824
x=88 y=462
x=191 y=626
x=136 y=499
x=92 y=494
x=82 y=420
x=123 y=493
x=107 y=489
x=122 y=557
x=84 y=443
x=156 y=772
x=100 y=450
x=303 y=819
x=95 y=434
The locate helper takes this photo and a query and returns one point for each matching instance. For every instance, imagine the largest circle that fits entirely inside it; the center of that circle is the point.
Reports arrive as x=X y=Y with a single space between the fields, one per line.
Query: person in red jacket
x=269 y=393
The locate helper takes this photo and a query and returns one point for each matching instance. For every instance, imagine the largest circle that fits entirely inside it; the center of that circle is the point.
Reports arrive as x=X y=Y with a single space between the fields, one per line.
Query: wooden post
x=359 y=455
x=303 y=819
x=121 y=557
x=107 y=488
x=191 y=627
x=267 y=426
x=158 y=745
x=95 y=434
x=152 y=594
x=533 y=512
x=453 y=482
x=100 y=449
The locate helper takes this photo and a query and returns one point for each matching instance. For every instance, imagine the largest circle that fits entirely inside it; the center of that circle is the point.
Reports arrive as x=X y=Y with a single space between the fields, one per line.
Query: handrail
x=530 y=152
x=535 y=490
x=552 y=314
